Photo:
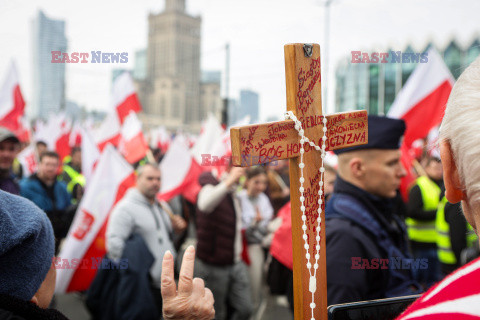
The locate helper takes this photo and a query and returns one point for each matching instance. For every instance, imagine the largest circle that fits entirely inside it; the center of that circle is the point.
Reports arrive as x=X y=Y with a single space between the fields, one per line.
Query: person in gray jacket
x=140 y=213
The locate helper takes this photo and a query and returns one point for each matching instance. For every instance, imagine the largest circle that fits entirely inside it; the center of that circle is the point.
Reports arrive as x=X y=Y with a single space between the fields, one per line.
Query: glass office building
x=374 y=86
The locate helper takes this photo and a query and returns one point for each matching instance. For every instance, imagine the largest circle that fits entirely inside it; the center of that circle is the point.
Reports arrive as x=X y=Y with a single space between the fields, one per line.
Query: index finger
x=185 y=282
x=168 y=286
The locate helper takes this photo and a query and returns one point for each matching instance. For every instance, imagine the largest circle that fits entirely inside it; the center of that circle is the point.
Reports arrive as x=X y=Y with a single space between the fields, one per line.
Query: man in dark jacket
x=219 y=244
x=9 y=145
x=27 y=274
x=367 y=254
x=49 y=194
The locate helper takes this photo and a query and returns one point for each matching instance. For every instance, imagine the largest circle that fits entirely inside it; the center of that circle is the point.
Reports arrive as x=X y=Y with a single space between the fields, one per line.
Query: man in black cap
x=367 y=255
x=9 y=145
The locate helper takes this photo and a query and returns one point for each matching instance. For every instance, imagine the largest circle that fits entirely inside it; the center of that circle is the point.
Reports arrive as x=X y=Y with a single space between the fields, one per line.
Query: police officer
x=366 y=240
x=423 y=201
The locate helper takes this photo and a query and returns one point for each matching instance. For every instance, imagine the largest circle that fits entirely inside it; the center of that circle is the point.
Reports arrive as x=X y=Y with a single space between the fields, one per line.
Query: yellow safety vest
x=76 y=178
x=444 y=243
x=424 y=231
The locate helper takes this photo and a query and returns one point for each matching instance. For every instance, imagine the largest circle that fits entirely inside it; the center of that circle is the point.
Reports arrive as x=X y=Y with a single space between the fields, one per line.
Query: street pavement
x=273 y=308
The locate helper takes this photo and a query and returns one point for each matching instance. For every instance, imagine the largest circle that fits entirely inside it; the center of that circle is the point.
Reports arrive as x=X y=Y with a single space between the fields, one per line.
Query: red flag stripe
x=131 y=103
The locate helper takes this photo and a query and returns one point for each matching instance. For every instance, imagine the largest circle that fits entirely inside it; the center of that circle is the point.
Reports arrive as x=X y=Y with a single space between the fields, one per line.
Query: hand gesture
x=234 y=175
x=192 y=300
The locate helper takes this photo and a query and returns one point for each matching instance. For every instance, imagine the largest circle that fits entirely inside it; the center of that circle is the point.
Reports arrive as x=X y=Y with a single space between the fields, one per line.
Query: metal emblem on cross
x=304 y=139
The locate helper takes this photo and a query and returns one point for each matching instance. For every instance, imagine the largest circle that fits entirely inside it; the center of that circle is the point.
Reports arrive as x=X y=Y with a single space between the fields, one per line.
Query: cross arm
x=262 y=143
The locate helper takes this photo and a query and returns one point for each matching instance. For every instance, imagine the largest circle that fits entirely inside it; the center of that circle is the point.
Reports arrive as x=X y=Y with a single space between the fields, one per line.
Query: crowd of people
x=369 y=226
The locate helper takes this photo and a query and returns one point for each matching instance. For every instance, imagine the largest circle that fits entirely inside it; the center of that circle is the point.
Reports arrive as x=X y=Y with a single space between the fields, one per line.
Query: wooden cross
x=257 y=144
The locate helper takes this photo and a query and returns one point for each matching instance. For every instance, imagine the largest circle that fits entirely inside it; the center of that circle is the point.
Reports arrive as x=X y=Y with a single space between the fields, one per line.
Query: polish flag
x=180 y=172
x=455 y=297
x=62 y=142
x=56 y=134
x=160 y=139
x=212 y=131
x=124 y=97
x=24 y=132
x=12 y=104
x=28 y=160
x=421 y=102
x=132 y=142
x=221 y=150
x=90 y=155
x=108 y=132
x=84 y=246
x=75 y=138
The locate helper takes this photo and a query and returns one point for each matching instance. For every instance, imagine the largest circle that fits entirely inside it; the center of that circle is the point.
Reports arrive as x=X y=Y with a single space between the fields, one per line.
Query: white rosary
x=298 y=126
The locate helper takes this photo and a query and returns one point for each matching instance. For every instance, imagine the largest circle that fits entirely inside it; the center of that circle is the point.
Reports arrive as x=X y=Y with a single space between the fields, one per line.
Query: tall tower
x=172 y=86
x=48 y=77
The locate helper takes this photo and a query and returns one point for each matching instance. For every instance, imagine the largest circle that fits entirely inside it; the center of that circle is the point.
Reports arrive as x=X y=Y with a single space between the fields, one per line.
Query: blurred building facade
x=248 y=105
x=210 y=100
x=170 y=93
x=374 y=86
x=48 y=77
x=140 y=67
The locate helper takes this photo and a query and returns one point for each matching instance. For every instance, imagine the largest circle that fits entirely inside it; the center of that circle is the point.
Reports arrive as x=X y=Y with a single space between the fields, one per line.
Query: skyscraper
x=48 y=77
x=171 y=90
x=248 y=105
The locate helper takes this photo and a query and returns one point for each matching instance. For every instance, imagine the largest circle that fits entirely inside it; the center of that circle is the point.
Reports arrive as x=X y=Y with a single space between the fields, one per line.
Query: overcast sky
x=255 y=29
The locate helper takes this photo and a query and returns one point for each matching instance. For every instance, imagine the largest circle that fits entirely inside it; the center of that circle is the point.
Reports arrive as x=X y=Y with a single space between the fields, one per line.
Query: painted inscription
x=307 y=79
x=265 y=141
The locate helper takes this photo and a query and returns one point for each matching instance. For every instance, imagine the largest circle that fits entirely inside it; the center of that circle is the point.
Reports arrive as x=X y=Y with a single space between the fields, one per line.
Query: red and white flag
x=84 y=247
x=12 y=105
x=124 y=97
x=108 y=132
x=221 y=150
x=456 y=297
x=24 y=132
x=56 y=134
x=132 y=142
x=422 y=100
x=160 y=139
x=28 y=160
x=212 y=131
x=421 y=103
x=75 y=138
x=180 y=172
x=90 y=155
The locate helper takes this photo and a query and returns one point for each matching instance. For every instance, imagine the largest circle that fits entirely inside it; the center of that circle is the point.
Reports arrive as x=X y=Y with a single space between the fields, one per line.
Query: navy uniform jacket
x=362 y=229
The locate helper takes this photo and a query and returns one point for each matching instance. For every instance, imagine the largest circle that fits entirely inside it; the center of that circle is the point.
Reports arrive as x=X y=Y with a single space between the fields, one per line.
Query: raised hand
x=192 y=300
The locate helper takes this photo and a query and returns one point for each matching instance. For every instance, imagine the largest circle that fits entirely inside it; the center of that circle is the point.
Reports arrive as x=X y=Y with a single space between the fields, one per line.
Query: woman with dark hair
x=257 y=211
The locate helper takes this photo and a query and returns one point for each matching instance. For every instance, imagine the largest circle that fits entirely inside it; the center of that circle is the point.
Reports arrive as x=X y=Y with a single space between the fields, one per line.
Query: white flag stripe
x=175 y=165
x=465 y=305
x=131 y=127
x=90 y=155
x=109 y=128
x=7 y=89
x=122 y=88
x=212 y=132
